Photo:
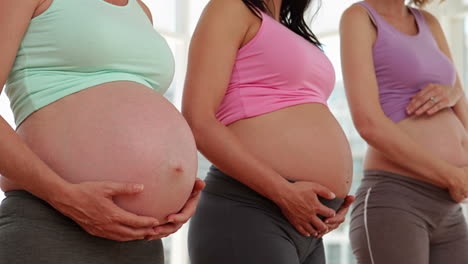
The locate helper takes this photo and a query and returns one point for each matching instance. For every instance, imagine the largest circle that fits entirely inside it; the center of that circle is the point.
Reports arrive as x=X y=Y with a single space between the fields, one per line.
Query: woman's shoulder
x=231 y=14
x=235 y=8
x=431 y=20
x=355 y=16
x=146 y=9
x=355 y=10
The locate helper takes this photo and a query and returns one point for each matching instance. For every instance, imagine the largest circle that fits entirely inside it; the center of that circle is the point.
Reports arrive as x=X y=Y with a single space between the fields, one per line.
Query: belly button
x=179 y=170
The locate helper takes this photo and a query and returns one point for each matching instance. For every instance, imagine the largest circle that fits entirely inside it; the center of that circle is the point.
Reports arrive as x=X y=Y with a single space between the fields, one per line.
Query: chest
x=406 y=25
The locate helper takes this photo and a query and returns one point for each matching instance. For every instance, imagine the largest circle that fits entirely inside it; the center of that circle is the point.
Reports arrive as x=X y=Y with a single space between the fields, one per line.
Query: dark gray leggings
x=236 y=225
x=31 y=231
x=401 y=220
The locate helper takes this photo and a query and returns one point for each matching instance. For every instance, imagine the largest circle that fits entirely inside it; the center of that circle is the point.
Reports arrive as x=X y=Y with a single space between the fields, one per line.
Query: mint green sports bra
x=77 y=44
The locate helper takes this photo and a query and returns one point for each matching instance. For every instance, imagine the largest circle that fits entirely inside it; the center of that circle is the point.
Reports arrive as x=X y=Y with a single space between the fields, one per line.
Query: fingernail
x=333 y=195
x=307 y=235
x=170 y=220
x=138 y=187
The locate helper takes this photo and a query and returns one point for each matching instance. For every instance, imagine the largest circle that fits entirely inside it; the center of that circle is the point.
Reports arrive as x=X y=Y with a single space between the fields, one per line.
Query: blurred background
x=176 y=20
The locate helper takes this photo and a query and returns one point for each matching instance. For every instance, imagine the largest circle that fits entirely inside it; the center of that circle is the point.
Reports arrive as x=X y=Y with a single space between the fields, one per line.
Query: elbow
x=192 y=116
x=368 y=129
x=187 y=115
x=199 y=124
x=194 y=123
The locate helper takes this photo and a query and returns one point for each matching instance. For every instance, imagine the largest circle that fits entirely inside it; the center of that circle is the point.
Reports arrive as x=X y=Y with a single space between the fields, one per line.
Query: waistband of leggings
x=24 y=205
x=221 y=184
x=21 y=193
x=381 y=176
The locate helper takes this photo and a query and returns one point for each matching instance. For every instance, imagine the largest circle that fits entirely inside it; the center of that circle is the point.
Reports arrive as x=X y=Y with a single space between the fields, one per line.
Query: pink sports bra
x=276 y=69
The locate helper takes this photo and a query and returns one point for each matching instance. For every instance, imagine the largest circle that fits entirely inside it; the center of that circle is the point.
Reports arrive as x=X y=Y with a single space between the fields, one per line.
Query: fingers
x=419 y=99
x=438 y=106
x=430 y=103
x=338 y=219
x=198 y=186
x=319 y=225
x=119 y=232
x=323 y=191
x=187 y=212
x=129 y=233
x=164 y=231
x=303 y=231
x=429 y=100
x=341 y=214
x=176 y=221
x=133 y=220
x=332 y=227
x=458 y=196
x=325 y=211
x=348 y=201
x=118 y=188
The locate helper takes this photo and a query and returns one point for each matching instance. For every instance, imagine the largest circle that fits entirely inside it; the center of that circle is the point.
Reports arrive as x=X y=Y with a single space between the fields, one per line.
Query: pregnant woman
x=408 y=104
x=85 y=79
x=255 y=97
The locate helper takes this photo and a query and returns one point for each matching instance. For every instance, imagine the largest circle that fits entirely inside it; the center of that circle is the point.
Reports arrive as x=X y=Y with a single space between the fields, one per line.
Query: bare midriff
x=441 y=134
x=302 y=143
x=119 y=131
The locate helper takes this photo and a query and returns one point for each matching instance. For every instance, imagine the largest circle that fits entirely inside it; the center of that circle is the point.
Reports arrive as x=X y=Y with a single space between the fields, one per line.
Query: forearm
x=400 y=148
x=21 y=165
x=219 y=145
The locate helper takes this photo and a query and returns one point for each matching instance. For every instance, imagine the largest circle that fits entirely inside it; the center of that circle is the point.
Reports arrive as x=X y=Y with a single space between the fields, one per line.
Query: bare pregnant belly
x=118 y=131
x=441 y=134
x=302 y=143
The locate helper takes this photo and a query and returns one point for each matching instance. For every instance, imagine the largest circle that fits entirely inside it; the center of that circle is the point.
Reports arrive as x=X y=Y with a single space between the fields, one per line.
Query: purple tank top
x=405 y=64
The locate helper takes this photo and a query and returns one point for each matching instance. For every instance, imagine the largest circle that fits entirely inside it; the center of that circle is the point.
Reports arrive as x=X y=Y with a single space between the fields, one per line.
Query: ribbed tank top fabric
x=276 y=69
x=77 y=44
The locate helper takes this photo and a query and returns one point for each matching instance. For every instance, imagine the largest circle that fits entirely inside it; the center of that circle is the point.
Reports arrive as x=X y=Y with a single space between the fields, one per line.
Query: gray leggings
x=401 y=220
x=235 y=225
x=31 y=231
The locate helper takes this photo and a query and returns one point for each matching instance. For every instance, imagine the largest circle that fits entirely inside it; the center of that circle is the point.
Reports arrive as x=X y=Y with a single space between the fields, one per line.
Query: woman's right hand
x=459 y=187
x=300 y=205
x=91 y=206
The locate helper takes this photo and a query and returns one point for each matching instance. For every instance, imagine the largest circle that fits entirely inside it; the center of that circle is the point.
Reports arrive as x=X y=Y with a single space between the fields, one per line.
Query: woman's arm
x=89 y=204
x=447 y=96
x=357 y=37
x=216 y=41
x=147 y=10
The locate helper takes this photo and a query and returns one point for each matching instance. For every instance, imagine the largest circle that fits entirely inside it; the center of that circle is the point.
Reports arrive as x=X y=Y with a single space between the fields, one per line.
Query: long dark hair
x=291 y=15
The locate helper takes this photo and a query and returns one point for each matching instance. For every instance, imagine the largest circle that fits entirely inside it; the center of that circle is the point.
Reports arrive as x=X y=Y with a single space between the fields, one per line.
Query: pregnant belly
x=441 y=134
x=119 y=131
x=302 y=143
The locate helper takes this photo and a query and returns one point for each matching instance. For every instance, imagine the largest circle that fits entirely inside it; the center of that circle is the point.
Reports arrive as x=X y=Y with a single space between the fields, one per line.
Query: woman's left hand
x=176 y=221
x=334 y=222
x=433 y=98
